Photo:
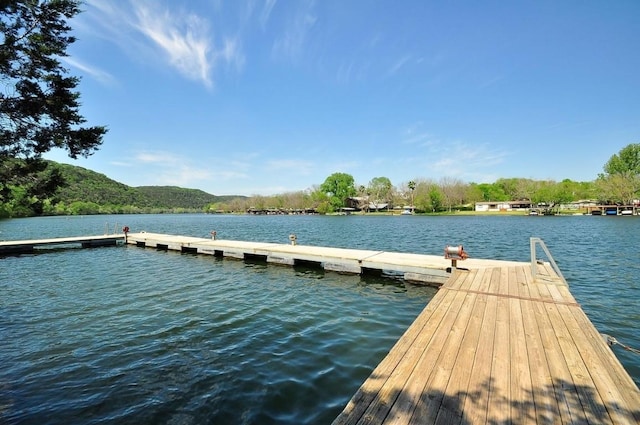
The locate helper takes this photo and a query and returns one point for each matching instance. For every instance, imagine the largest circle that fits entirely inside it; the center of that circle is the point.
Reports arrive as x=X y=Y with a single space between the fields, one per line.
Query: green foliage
x=489 y=192
x=88 y=186
x=39 y=107
x=380 y=189
x=621 y=188
x=625 y=161
x=339 y=187
x=435 y=199
x=87 y=192
x=621 y=181
x=175 y=197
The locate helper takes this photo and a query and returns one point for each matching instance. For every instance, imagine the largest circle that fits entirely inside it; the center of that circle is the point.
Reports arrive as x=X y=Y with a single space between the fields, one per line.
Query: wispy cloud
x=160 y=158
x=414 y=139
x=463 y=160
x=184 y=39
x=291 y=44
x=299 y=166
x=96 y=73
x=398 y=64
x=171 y=169
x=266 y=12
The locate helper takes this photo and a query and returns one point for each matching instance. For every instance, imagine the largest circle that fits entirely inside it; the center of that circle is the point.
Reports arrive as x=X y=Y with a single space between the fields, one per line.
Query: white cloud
x=96 y=73
x=301 y=167
x=292 y=43
x=162 y=158
x=266 y=12
x=465 y=160
x=398 y=64
x=184 y=39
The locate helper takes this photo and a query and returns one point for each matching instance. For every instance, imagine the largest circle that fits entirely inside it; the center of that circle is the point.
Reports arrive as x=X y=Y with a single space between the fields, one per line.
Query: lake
x=131 y=335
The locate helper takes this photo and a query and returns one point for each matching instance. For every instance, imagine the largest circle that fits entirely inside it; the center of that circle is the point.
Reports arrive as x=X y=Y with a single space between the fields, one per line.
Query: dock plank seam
x=516 y=297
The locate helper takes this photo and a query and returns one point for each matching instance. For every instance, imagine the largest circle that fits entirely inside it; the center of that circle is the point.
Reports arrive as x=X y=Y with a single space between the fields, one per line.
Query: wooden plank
x=457 y=390
x=544 y=400
x=612 y=394
x=563 y=386
x=500 y=381
x=590 y=402
x=476 y=404
x=522 y=406
x=431 y=398
x=418 y=335
x=408 y=404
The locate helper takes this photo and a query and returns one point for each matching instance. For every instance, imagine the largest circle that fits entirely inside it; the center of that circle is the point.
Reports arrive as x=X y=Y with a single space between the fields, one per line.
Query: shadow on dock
x=560 y=402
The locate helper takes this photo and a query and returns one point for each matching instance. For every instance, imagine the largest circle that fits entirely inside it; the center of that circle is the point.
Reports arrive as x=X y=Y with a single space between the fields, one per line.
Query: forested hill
x=86 y=186
x=176 y=197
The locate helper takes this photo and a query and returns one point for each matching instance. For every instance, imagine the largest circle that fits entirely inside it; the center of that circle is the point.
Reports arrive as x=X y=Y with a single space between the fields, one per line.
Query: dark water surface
x=132 y=336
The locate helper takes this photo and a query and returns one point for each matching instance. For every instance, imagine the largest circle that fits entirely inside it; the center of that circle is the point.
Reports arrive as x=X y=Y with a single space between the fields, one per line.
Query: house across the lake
x=496 y=206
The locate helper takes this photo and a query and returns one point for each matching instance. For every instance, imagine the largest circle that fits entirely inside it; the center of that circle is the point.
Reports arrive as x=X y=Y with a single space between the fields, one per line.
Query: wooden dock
x=28 y=246
x=495 y=346
x=501 y=342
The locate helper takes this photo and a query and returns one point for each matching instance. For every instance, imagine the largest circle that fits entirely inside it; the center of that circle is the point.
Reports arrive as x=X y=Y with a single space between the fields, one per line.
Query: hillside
x=176 y=197
x=87 y=186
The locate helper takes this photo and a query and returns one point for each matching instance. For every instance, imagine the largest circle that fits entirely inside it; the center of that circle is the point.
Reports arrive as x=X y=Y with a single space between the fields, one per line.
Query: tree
x=627 y=160
x=39 y=107
x=619 y=188
x=453 y=191
x=338 y=187
x=435 y=198
x=412 y=187
x=380 y=189
x=487 y=192
x=621 y=181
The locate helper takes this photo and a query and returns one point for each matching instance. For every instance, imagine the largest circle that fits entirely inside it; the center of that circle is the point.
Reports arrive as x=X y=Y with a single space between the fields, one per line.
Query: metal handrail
x=534 y=260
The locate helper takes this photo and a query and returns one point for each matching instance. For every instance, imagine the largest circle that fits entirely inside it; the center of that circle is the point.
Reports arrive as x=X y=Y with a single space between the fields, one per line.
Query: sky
x=263 y=97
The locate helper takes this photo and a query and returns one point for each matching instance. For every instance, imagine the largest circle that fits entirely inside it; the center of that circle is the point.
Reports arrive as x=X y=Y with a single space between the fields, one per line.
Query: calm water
x=132 y=335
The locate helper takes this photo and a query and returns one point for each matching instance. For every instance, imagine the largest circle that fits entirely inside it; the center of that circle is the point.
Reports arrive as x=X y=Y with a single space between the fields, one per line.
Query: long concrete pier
x=430 y=269
x=28 y=246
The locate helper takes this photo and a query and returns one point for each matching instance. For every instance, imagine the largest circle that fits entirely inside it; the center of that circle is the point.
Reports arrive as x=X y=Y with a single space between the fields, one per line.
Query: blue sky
x=271 y=96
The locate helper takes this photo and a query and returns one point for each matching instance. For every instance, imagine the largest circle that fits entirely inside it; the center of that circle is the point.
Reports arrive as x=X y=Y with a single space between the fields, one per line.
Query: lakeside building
x=496 y=206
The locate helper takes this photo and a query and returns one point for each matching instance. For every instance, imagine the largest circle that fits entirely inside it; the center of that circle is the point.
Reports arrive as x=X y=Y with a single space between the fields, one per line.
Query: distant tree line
x=619 y=184
x=83 y=192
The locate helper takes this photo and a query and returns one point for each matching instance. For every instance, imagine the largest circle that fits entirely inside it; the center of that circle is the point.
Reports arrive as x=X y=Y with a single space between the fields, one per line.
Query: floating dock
x=29 y=246
x=502 y=342
x=430 y=269
x=496 y=346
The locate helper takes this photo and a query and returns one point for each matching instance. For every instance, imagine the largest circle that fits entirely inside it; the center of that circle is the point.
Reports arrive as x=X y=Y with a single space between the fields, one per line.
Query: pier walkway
x=431 y=269
x=502 y=342
x=495 y=346
x=28 y=246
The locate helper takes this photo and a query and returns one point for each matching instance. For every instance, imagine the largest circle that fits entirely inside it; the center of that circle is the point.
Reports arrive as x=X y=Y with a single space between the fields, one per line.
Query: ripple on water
x=127 y=336
x=130 y=335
